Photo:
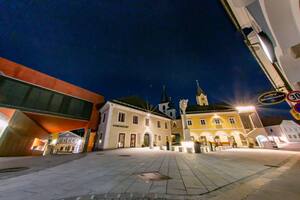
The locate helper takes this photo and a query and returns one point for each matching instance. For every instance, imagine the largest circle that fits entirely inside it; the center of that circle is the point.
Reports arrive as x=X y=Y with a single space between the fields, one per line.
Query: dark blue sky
x=132 y=47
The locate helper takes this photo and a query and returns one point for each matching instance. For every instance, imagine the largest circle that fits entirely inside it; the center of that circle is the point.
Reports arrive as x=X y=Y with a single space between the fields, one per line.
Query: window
x=171 y=114
x=159 y=138
x=103 y=119
x=202 y=122
x=290 y=136
x=174 y=125
x=147 y=122
x=217 y=121
x=299 y=135
x=295 y=136
x=164 y=107
x=158 y=124
x=166 y=125
x=231 y=120
x=271 y=130
x=189 y=122
x=135 y=120
x=121 y=117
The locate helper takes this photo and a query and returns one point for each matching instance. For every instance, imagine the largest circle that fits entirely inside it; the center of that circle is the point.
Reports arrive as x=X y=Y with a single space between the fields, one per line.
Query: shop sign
x=271 y=98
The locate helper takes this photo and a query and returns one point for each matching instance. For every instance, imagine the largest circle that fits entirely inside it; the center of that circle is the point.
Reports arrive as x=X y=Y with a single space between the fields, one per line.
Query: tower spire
x=199 y=90
x=164 y=96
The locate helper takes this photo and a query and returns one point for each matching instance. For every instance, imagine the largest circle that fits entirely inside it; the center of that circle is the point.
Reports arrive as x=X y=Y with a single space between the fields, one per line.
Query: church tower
x=166 y=106
x=201 y=97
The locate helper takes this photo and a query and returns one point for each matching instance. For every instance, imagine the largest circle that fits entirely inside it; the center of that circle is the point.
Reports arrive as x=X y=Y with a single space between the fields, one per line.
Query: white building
x=68 y=142
x=132 y=122
x=271 y=29
x=282 y=131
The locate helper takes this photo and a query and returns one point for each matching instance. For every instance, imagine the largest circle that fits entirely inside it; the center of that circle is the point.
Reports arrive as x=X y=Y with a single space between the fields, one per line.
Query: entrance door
x=132 y=140
x=121 y=140
x=146 y=140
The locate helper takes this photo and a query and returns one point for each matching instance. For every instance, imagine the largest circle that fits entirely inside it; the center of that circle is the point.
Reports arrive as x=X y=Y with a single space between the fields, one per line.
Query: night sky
x=133 y=47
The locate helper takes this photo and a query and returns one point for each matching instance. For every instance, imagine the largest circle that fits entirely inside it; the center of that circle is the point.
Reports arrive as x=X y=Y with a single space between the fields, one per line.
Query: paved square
x=114 y=174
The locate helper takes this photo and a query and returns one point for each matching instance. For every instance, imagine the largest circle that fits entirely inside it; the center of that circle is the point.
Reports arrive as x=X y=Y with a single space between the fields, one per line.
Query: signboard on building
x=294 y=96
x=271 y=98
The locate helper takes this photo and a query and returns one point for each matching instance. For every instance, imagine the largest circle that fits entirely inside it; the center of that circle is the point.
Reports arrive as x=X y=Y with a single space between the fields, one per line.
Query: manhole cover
x=13 y=169
x=276 y=166
x=152 y=176
x=125 y=155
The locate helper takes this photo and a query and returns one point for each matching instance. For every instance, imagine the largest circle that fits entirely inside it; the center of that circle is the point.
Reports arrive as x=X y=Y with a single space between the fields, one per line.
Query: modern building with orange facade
x=35 y=108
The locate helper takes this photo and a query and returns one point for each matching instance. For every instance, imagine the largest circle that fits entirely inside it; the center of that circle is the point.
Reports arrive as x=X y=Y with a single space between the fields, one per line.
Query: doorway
x=121 y=143
x=132 y=140
x=146 y=140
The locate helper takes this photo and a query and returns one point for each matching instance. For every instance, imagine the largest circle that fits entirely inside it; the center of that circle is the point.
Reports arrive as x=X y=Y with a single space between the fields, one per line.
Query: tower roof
x=199 y=90
x=164 y=97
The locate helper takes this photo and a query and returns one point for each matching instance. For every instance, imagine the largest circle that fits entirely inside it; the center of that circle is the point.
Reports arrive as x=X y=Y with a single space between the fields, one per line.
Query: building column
x=86 y=141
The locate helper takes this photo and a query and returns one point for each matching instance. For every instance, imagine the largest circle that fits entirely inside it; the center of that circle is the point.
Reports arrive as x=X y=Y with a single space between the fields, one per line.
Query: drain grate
x=275 y=166
x=100 y=154
x=13 y=169
x=152 y=176
x=124 y=155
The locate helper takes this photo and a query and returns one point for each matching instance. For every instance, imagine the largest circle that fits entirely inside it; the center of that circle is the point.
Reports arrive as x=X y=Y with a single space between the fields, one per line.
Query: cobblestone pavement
x=34 y=163
x=113 y=175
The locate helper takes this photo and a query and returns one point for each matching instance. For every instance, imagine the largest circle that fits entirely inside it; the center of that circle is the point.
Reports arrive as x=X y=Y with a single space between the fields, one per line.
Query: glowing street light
x=242 y=109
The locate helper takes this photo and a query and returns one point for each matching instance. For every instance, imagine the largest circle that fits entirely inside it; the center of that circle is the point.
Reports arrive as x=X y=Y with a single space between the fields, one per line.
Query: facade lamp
x=267 y=46
x=243 y=109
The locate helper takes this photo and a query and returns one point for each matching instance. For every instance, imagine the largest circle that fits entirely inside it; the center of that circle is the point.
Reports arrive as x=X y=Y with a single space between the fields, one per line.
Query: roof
x=69 y=134
x=220 y=107
x=138 y=103
x=272 y=121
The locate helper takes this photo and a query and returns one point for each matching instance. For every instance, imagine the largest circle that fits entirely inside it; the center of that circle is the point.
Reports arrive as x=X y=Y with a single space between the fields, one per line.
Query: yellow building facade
x=220 y=128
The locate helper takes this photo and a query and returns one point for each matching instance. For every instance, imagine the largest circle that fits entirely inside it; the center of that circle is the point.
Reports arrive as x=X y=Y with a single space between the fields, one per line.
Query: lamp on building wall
x=242 y=109
x=267 y=46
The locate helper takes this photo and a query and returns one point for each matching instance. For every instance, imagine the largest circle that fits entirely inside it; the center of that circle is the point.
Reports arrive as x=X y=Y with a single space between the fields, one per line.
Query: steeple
x=164 y=97
x=199 y=90
x=201 y=97
x=166 y=106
